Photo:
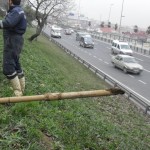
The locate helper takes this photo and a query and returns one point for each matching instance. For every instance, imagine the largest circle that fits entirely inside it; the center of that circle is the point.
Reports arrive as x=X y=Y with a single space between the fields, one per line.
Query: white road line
x=142 y=82
x=139 y=59
x=90 y=54
x=146 y=70
x=131 y=76
x=142 y=54
x=106 y=62
x=100 y=59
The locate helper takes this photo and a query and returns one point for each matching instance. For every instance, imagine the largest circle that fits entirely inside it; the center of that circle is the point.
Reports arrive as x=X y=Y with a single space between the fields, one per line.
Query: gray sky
x=136 y=12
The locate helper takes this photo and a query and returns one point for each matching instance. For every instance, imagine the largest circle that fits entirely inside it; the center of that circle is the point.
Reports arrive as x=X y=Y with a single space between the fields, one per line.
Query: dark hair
x=16 y=2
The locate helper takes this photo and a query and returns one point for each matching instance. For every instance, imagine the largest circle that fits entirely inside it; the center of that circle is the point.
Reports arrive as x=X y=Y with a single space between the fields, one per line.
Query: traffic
x=101 y=57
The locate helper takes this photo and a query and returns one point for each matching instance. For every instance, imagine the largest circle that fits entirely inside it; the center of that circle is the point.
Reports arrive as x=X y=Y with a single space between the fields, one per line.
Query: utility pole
x=110 y=12
x=121 y=16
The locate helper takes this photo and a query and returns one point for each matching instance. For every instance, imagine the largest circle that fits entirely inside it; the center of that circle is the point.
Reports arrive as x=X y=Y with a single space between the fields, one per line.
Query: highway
x=100 y=57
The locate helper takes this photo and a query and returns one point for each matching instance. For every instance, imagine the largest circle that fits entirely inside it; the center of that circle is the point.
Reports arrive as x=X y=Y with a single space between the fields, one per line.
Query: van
x=119 y=47
x=67 y=32
x=86 y=41
x=56 y=32
x=80 y=34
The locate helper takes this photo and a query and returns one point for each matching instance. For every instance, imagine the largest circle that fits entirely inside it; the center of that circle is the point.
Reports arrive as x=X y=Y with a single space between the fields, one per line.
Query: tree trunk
x=34 y=36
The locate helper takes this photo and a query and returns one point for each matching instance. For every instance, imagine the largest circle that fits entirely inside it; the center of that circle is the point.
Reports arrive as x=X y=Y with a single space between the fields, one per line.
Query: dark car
x=68 y=31
x=86 y=41
x=80 y=34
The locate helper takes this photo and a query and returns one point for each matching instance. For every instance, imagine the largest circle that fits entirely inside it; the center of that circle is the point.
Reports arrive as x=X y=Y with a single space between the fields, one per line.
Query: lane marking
x=108 y=47
x=106 y=62
x=131 y=76
x=142 y=54
x=146 y=70
x=94 y=56
x=142 y=81
x=139 y=59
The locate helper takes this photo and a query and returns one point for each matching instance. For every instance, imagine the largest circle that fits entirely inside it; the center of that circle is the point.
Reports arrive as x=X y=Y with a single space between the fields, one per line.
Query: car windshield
x=125 y=46
x=129 y=60
x=88 y=39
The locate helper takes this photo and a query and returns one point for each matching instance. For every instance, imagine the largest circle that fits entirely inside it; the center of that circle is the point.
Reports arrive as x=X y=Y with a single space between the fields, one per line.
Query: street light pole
x=110 y=12
x=79 y=13
x=121 y=16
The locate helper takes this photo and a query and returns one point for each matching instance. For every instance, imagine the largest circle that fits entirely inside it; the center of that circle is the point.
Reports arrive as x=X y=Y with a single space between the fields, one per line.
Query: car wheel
x=112 y=52
x=114 y=65
x=139 y=73
x=125 y=70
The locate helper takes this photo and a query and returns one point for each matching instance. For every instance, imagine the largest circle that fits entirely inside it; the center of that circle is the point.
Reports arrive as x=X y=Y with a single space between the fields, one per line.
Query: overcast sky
x=136 y=12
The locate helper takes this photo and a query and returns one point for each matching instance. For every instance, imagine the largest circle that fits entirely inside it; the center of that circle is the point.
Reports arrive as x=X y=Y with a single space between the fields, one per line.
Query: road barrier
x=141 y=47
x=142 y=102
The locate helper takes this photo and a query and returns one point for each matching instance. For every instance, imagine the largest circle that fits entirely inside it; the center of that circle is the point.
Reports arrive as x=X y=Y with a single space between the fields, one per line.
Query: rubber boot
x=22 y=84
x=16 y=86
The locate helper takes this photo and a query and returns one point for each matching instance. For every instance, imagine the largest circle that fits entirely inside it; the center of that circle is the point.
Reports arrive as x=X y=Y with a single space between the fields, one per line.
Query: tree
x=109 y=24
x=4 y=4
x=102 y=24
x=116 y=26
x=136 y=29
x=29 y=14
x=44 y=9
x=148 y=30
x=89 y=23
x=3 y=7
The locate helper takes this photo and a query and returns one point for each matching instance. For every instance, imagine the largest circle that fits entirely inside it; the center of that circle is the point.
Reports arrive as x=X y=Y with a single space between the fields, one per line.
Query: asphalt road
x=100 y=57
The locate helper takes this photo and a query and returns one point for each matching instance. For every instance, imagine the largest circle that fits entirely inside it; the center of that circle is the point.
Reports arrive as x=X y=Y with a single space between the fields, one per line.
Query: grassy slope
x=92 y=123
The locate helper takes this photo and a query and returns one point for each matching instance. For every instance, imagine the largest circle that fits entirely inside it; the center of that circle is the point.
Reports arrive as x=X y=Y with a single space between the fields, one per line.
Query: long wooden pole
x=61 y=96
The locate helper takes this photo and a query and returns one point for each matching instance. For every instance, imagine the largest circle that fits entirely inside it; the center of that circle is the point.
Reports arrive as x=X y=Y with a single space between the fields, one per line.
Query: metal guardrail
x=134 y=44
x=130 y=94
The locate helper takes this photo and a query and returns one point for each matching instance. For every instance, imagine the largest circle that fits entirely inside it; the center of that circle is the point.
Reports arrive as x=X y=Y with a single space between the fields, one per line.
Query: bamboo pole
x=61 y=96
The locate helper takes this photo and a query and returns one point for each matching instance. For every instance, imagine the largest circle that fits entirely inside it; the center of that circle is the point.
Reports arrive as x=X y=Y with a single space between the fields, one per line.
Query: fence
x=136 y=45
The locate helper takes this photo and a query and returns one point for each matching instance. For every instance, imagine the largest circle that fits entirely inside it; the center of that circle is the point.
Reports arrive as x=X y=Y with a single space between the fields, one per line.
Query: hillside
x=104 y=123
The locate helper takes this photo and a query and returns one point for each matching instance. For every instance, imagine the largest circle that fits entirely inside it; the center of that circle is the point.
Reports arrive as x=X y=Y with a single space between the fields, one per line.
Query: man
x=14 y=26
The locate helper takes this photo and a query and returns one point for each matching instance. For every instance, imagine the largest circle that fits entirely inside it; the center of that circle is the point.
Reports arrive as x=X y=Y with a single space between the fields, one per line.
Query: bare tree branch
x=45 y=8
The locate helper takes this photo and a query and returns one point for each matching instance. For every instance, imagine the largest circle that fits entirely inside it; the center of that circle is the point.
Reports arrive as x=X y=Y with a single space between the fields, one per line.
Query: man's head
x=14 y=2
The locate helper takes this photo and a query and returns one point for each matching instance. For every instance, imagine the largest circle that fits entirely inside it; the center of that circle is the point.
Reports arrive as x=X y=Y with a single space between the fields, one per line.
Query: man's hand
x=1 y=24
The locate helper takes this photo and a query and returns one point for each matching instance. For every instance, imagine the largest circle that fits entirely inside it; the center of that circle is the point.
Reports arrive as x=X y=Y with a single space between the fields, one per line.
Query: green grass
x=104 y=123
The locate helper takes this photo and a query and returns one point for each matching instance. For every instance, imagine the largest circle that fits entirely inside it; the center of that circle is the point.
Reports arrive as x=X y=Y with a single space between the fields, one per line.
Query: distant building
x=77 y=21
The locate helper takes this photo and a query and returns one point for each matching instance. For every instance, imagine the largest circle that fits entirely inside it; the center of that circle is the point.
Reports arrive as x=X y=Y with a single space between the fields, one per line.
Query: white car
x=56 y=32
x=121 y=48
x=126 y=63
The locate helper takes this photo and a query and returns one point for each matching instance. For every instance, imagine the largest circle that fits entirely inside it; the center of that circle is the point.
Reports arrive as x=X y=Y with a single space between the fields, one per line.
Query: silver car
x=126 y=63
x=121 y=48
